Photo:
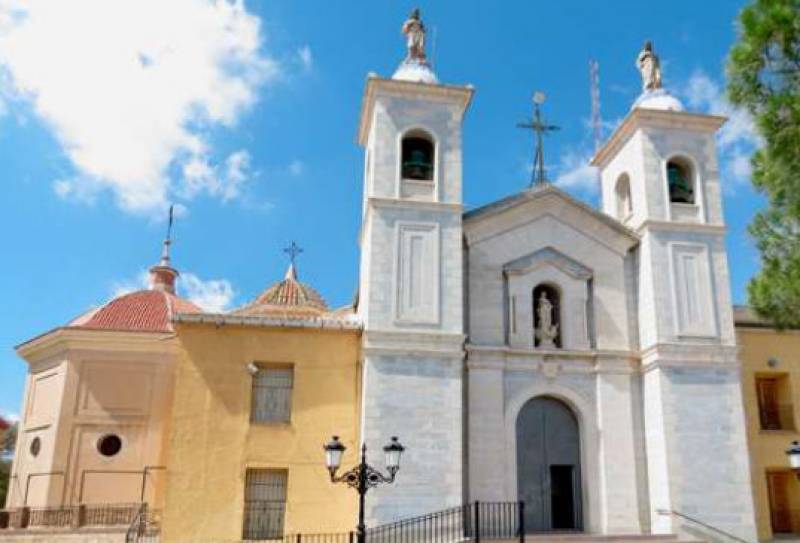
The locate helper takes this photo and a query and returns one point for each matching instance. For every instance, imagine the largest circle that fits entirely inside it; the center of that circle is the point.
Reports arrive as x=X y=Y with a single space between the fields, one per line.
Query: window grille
x=272 y=395
x=264 y=503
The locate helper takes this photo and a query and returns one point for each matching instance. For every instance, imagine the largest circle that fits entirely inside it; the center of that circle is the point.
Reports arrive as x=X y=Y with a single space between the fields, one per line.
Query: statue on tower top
x=650 y=67
x=415 y=37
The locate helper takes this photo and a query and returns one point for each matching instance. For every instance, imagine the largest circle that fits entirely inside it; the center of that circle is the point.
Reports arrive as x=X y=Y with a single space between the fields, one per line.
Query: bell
x=417 y=166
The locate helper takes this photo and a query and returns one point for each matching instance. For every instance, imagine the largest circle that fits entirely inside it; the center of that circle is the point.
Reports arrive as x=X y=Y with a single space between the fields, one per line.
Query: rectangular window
x=272 y=395
x=264 y=503
x=775 y=409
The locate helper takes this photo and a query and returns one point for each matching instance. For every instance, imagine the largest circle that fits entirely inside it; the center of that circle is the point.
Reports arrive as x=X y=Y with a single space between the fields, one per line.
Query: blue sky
x=245 y=116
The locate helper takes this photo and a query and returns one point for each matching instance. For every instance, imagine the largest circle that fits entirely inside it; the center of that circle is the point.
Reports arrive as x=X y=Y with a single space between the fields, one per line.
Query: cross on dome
x=293 y=250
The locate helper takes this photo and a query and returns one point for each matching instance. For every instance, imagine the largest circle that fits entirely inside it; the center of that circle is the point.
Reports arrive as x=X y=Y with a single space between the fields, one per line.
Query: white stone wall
x=411 y=300
x=419 y=399
x=698 y=464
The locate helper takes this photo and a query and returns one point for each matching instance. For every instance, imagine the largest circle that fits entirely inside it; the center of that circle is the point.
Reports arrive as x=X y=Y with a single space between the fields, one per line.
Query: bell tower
x=411 y=286
x=660 y=177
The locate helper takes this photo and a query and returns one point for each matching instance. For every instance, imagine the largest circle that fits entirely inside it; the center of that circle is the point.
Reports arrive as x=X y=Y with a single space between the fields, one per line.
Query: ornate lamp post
x=363 y=476
x=793 y=453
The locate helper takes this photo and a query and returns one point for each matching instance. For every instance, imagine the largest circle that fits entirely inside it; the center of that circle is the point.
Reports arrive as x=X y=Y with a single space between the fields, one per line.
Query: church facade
x=581 y=360
x=536 y=349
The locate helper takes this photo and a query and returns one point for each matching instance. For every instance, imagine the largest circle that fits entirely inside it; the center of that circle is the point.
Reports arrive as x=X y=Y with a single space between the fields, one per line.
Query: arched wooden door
x=549 y=466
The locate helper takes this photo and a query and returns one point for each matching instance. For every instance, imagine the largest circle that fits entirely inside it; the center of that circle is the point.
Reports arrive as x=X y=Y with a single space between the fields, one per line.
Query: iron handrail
x=701 y=523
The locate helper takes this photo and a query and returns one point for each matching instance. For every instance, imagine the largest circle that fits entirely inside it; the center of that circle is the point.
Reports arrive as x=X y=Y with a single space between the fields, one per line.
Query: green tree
x=764 y=78
x=8 y=441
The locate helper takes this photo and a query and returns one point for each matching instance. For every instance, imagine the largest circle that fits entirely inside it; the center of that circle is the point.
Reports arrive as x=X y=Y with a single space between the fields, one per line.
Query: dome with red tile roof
x=287 y=297
x=140 y=311
x=148 y=310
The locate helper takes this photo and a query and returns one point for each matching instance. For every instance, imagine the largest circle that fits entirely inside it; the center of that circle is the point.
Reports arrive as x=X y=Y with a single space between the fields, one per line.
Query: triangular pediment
x=546 y=200
x=548 y=257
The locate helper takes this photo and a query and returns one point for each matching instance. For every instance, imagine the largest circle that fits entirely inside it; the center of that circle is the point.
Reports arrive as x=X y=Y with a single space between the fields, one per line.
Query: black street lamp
x=363 y=476
x=793 y=453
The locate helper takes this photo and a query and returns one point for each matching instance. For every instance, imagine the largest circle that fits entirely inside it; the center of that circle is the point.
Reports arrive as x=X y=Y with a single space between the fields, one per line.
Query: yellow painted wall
x=767 y=447
x=213 y=441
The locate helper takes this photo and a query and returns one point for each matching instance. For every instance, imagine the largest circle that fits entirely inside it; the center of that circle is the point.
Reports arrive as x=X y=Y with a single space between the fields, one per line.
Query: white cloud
x=305 y=57
x=297 y=168
x=126 y=286
x=213 y=295
x=575 y=172
x=224 y=182
x=77 y=189
x=737 y=139
x=131 y=89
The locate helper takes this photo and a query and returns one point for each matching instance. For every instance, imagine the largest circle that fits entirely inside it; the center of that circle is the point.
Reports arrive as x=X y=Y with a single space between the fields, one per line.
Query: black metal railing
x=703 y=526
x=341 y=537
x=474 y=521
x=145 y=526
x=73 y=517
x=471 y=522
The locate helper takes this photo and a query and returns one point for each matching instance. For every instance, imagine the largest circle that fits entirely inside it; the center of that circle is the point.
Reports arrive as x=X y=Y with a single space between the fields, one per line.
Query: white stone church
x=537 y=348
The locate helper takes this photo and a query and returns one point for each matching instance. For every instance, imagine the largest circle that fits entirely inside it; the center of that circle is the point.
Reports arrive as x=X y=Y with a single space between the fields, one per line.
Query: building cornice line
x=673 y=226
x=221 y=319
x=459 y=95
x=639 y=117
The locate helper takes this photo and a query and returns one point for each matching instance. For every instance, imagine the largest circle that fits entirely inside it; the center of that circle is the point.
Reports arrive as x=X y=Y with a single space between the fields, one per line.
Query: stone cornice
x=412 y=343
x=674 y=226
x=332 y=324
x=568 y=361
x=645 y=118
x=689 y=355
x=413 y=205
x=461 y=96
x=60 y=340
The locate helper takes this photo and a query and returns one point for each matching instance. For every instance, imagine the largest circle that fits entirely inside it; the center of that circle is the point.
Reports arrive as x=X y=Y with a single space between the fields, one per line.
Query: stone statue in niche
x=546 y=332
x=650 y=67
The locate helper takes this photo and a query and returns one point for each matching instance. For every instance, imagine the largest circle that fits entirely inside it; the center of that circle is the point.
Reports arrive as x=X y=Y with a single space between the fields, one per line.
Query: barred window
x=272 y=395
x=264 y=503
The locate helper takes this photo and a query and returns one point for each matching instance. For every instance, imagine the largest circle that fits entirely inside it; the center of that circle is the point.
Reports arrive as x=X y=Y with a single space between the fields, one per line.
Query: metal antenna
x=597 y=123
x=433 y=49
x=540 y=128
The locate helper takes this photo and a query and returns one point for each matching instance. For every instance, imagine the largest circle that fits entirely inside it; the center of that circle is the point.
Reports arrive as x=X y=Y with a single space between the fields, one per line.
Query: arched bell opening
x=417 y=156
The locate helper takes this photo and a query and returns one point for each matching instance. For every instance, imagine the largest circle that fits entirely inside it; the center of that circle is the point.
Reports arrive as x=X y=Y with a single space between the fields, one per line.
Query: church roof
x=288 y=297
x=541 y=190
x=140 y=311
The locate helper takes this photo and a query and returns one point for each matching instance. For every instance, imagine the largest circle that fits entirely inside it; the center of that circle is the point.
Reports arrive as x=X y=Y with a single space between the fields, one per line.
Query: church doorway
x=548 y=466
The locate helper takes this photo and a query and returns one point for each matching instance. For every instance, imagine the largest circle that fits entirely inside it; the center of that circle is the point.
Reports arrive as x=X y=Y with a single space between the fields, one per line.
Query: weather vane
x=540 y=128
x=293 y=250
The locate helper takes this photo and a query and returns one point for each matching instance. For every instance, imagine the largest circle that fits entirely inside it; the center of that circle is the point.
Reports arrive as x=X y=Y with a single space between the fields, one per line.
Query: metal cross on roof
x=293 y=250
x=539 y=127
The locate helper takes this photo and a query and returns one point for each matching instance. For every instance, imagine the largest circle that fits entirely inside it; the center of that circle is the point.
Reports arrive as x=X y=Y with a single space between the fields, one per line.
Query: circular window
x=36 y=446
x=109 y=445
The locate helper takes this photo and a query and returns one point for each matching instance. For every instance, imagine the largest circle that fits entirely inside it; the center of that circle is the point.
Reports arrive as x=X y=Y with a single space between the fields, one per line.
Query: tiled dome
x=288 y=296
x=140 y=311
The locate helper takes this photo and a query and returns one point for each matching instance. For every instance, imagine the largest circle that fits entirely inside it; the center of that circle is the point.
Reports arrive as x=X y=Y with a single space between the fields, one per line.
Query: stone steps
x=599 y=538
x=607 y=538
